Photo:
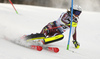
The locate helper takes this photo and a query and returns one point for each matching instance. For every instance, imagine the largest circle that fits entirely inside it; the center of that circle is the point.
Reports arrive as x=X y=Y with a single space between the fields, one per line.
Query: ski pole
x=70 y=25
x=13 y=6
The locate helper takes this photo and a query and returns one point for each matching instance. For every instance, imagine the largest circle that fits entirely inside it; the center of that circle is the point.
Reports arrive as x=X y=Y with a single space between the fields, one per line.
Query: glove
x=74 y=24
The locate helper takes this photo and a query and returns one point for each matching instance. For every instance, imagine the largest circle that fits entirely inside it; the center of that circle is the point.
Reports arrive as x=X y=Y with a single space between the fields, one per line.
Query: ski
x=52 y=49
x=33 y=46
x=39 y=48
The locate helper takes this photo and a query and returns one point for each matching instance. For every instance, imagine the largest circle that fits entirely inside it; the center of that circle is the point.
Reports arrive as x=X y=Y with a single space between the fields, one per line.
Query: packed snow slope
x=31 y=19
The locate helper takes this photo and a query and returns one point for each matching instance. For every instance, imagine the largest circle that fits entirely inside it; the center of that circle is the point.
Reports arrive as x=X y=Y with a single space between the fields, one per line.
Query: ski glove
x=74 y=24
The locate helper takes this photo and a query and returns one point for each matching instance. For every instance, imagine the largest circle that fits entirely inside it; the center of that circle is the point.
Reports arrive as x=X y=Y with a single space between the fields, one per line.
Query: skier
x=53 y=31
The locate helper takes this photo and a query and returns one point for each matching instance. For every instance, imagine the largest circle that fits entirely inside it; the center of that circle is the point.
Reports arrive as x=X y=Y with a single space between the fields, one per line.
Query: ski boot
x=77 y=45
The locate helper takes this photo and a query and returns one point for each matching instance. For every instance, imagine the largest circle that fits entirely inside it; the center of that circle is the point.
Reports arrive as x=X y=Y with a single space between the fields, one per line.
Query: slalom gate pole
x=13 y=6
x=70 y=25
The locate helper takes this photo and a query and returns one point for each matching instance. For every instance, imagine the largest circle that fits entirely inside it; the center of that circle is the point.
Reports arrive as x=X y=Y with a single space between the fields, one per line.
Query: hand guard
x=74 y=24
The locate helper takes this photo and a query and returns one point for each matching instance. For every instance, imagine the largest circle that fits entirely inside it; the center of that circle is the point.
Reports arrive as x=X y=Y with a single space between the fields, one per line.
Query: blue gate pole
x=70 y=25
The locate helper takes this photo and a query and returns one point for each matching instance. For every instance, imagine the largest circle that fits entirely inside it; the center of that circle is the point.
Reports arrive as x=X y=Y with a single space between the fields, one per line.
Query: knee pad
x=53 y=39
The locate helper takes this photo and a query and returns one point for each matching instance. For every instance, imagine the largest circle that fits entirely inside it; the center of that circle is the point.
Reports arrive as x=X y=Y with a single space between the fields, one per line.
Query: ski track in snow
x=31 y=19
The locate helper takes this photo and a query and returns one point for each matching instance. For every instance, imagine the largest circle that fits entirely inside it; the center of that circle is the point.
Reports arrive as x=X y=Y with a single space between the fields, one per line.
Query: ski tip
x=39 y=48
x=56 y=50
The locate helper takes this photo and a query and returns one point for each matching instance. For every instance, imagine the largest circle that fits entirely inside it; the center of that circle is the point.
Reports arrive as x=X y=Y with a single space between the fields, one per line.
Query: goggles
x=76 y=12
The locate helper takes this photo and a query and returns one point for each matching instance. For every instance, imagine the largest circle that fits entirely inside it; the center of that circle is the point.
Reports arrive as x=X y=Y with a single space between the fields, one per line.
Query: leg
x=45 y=31
x=34 y=36
x=49 y=31
x=53 y=34
x=53 y=39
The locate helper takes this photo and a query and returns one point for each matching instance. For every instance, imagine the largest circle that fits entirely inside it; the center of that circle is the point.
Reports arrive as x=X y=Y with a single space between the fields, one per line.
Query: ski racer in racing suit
x=53 y=31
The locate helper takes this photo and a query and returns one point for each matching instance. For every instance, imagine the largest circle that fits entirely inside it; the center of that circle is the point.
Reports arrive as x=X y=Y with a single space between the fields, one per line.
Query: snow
x=31 y=19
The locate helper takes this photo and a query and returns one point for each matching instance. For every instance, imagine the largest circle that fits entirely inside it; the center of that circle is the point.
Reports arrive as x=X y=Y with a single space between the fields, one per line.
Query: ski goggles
x=76 y=12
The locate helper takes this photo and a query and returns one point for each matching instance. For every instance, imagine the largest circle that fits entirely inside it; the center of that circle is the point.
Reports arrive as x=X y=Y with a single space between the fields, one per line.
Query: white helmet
x=76 y=10
x=76 y=7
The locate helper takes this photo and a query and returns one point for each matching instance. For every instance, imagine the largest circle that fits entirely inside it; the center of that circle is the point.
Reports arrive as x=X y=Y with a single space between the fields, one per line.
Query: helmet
x=76 y=7
x=76 y=10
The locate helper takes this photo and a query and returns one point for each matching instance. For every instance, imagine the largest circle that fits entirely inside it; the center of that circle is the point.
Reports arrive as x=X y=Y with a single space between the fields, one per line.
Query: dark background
x=87 y=5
